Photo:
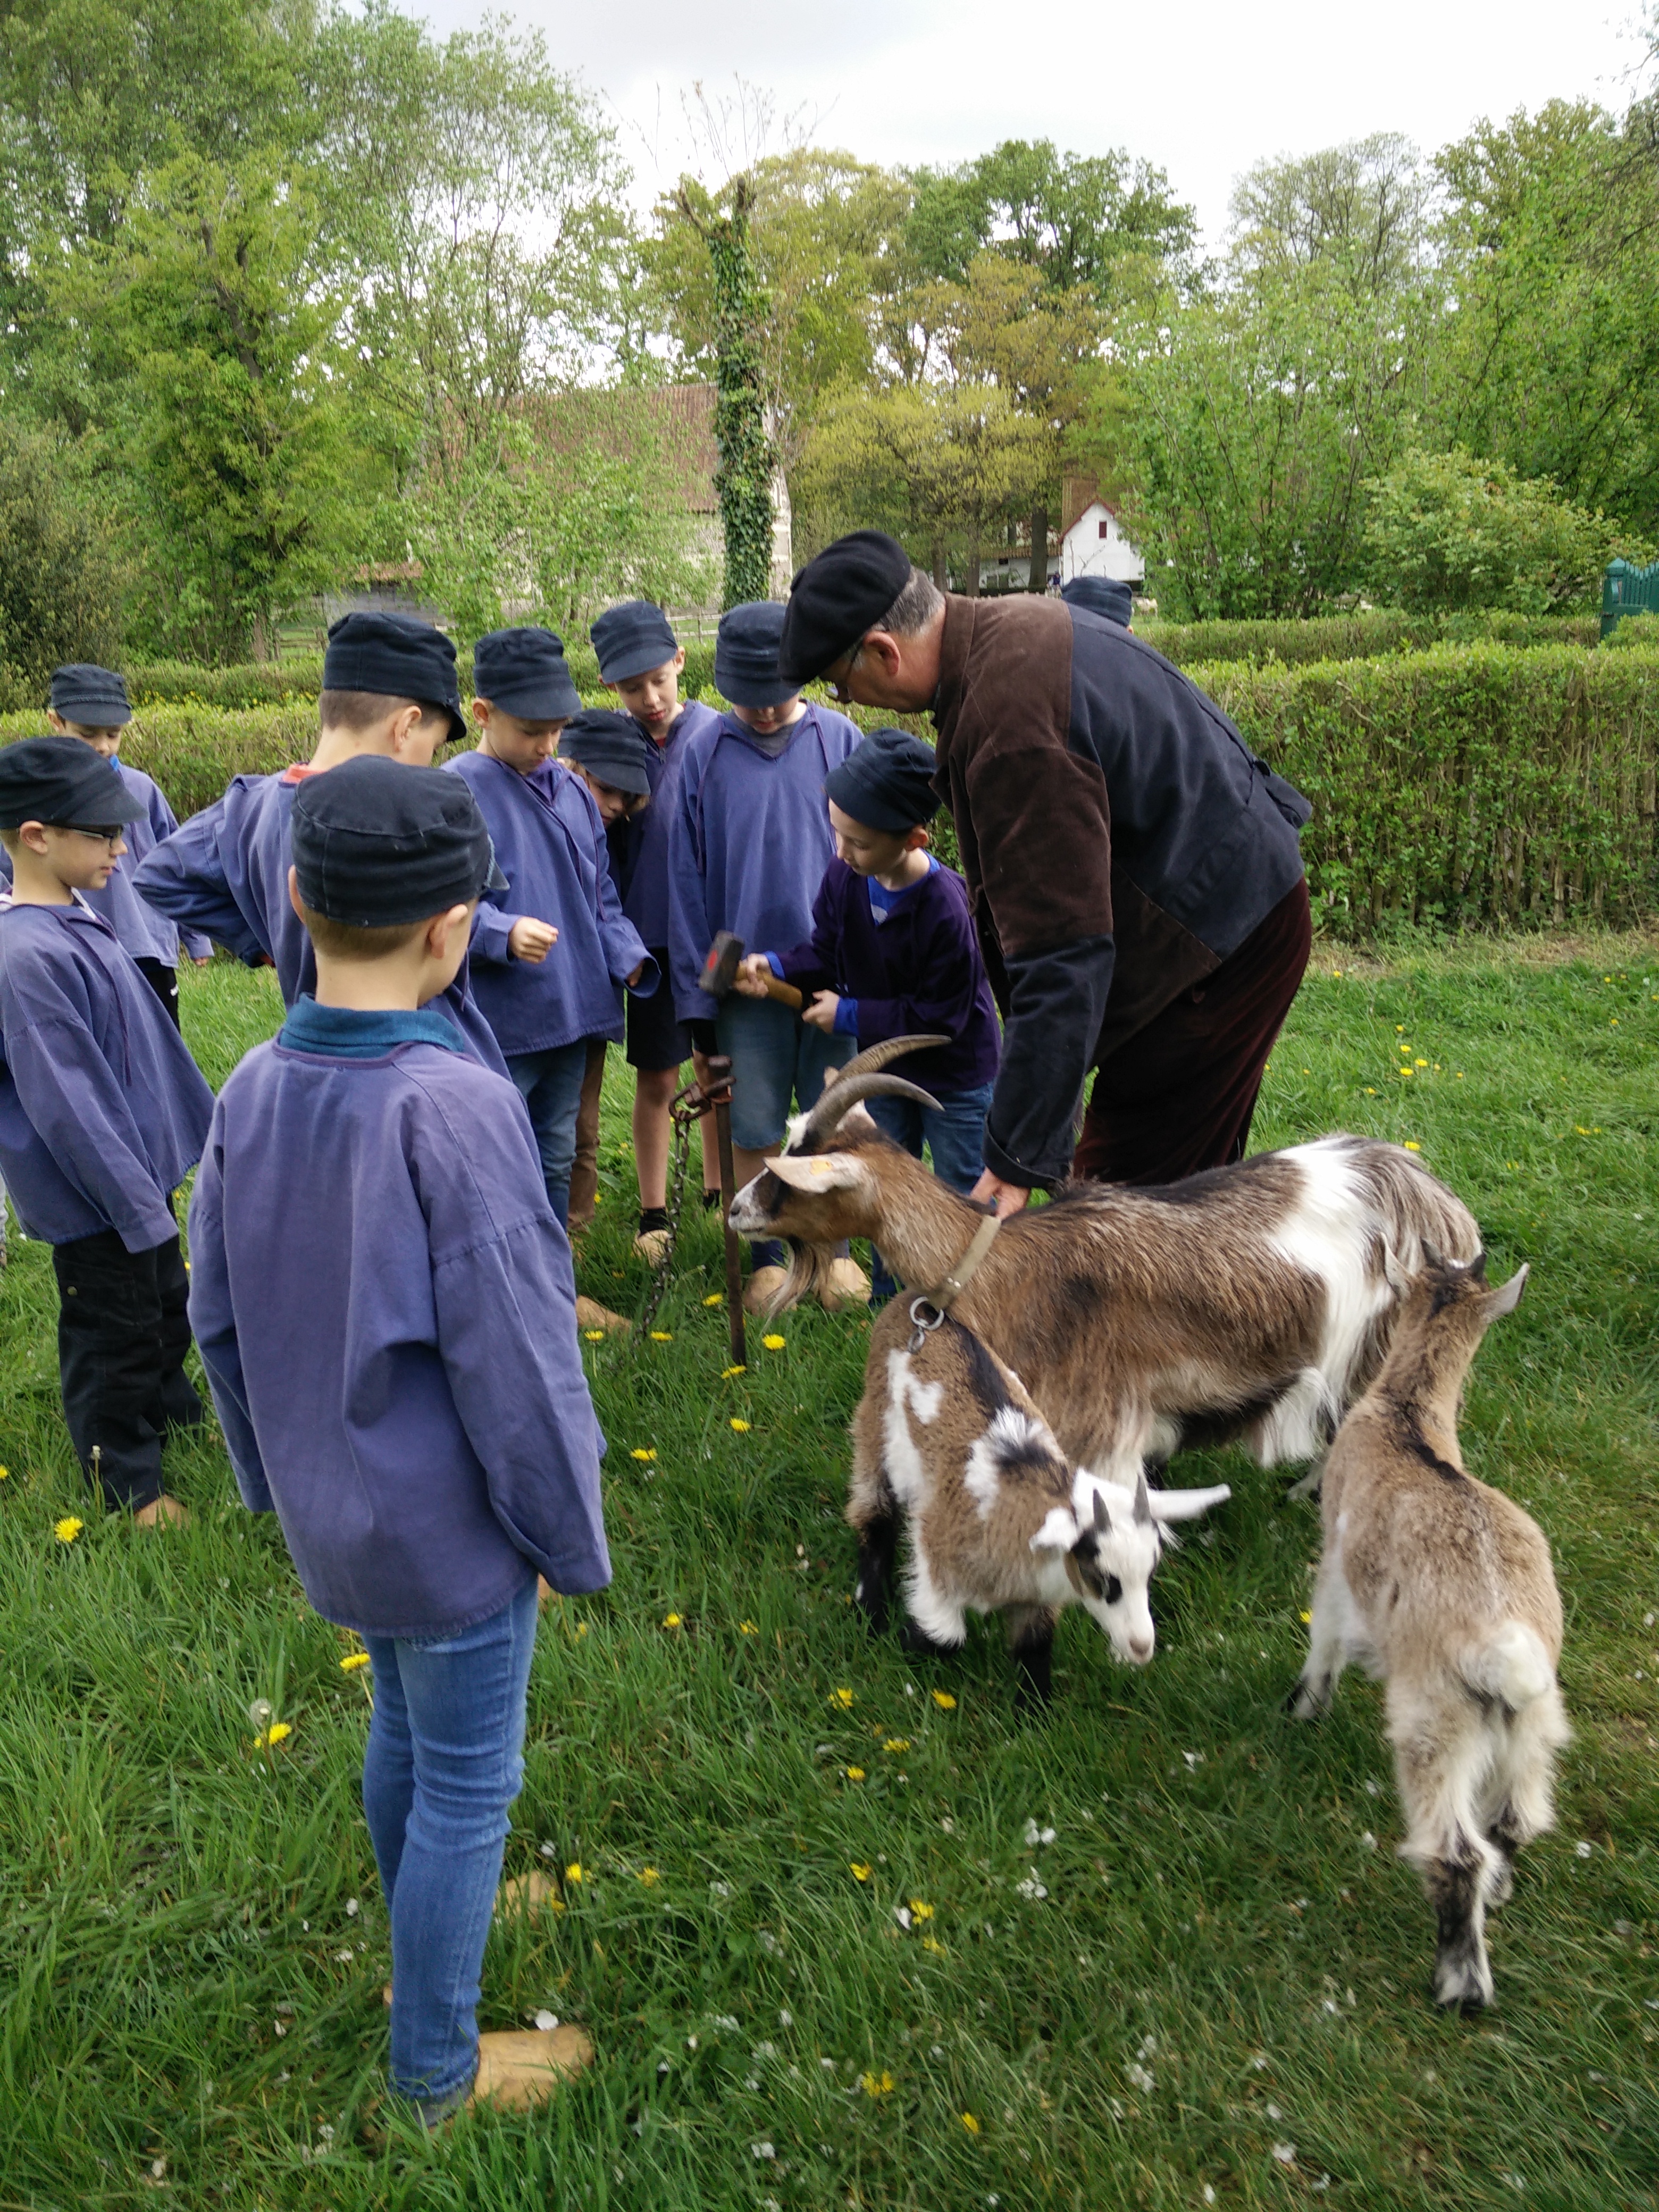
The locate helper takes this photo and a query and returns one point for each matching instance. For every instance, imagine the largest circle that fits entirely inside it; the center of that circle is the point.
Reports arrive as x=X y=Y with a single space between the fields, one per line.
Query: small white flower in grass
x=691 y=2042
x=761 y=2150
x=1209 y=2194
x=547 y=2021
x=1584 y=1847
x=1285 y=2153
x=1148 y=2045
x=1373 y=1789
x=1035 y=1835
x=1259 y=2062
x=326 y=2131
x=901 y=1913
x=724 y=2022
x=766 y=2050
x=662 y=2066
x=719 y=1889
x=1513 y=2179
x=352 y=1908
x=1273 y=2113
x=1030 y=1887
x=550 y=1850
x=1194 y=1760
x=786 y=2020
x=1321 y=2185
x=1367 y=1841
x=1139 y=2077
x=344 y=1957
x=753 y=2081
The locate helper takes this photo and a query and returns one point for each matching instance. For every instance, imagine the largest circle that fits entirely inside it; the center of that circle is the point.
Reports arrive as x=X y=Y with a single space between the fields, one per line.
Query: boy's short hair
x=343 y=940
x=367 y=710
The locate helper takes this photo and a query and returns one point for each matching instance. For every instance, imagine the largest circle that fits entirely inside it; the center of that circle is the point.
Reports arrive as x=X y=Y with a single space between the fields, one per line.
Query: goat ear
x=1507 y=1296
x=1185 y=1504
x=819 y=1170
x=858 y=1122
x=1058 y=1533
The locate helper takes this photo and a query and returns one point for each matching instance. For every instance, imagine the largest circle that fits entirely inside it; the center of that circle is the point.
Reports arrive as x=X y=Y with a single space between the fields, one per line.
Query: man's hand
x=1007 y=1197
x=531 y=940
x=202 y=959
x=754 y=973
x=634 y=977
x=821 y=1014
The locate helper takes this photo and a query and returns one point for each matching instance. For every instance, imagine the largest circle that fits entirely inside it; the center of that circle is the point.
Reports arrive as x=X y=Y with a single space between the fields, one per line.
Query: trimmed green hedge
x=1468 y=786
x=175 y=682
x=1355 y=637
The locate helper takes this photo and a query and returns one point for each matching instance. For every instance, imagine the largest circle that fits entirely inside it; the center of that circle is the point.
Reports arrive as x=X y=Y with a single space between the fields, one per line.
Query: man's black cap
x=376 y=842
x=838 y=596
x=632 y=639
x=63 y=782
x=746 y=655
x=1101 y=595
x=397 y=657
x=611 y=747
x=523 y=672
x=95 y=697
x=886 y=783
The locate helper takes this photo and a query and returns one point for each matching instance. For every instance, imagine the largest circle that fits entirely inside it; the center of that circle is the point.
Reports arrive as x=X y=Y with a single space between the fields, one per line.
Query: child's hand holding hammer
x=754 y=973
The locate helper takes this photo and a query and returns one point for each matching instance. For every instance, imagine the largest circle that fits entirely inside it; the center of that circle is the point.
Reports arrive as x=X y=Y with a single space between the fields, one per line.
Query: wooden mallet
x=720 y=972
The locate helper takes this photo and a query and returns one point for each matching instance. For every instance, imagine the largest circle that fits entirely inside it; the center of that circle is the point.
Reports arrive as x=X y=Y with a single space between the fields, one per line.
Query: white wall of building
x=1094 y=545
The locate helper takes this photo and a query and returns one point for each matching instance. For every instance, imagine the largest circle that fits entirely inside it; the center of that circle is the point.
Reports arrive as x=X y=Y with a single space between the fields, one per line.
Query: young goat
x=1443 y=1587
x=1250 y=1302
x=999 y=1522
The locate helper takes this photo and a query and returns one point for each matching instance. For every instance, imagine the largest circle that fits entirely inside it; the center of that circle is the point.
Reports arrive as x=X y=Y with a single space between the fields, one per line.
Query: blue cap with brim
x=64 y=783
x=886 y=782
x=525 y=673
x=1101 y=595
x=610 y=747
x=394 y=657
x=95 y=697
x=631 y=639
x=746 y=656
x=377 y=843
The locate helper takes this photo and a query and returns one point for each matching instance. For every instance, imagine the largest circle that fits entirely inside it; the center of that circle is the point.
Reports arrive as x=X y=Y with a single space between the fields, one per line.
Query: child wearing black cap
x=641 y=659
x=386 y=1314
x=894 y=952
x=389 y=688
x=102 y=1115
x=748 y=846
x=550 y=838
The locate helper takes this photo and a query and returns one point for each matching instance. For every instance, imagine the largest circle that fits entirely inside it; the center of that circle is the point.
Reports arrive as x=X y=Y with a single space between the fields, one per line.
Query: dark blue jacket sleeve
x=1056 y=1004
x=947 y=981
x=185 y=879
x=213 y=1324
x=164 y=823
x=689 y=933
x=78 y=1107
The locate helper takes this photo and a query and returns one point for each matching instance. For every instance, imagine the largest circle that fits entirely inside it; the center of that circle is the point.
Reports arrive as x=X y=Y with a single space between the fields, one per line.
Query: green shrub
x=261 y=685
x=1470 y=785
x=1640 y=627
x=59 y=595
x=193 y=751
x=1355 y=637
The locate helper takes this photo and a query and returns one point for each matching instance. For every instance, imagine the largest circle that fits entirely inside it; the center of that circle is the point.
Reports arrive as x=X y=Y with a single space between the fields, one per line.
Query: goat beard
x=809 y=1268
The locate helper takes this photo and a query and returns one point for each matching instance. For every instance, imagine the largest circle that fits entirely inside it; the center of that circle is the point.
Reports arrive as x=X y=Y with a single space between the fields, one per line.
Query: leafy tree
x=59 y=591
x=1446 y=533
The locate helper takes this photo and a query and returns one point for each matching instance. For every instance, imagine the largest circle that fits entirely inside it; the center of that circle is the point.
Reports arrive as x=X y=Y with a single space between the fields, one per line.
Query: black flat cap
x=746 y=655
x=632 y=639
x=524 y=672
x=376 y=842
x=95 y=697
x=886 y=783
x=1101 y=595
x=63 y=782
x=838 y=596
x=397 y=657
x=611 y=747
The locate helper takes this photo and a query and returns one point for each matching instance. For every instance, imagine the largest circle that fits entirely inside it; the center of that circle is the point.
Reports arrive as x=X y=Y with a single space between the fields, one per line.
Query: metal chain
x=683 y=1118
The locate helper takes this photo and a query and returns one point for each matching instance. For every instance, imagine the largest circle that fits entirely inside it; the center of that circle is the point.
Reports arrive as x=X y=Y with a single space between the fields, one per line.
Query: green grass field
x=1159 y=1950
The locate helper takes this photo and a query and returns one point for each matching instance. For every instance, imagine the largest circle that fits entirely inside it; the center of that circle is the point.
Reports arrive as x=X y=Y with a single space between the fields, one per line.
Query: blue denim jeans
x=442 y=1765
x=550 y=1085
x=955 y=1136
x=776 y=1059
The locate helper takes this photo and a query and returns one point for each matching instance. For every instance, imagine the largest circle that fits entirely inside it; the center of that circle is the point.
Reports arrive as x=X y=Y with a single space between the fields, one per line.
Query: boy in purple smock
x=551 y=843
x=384 y=1302
x=102 y=1115
x=388 y=688
x=894 y=952
x=640 y=660
x=748 y=845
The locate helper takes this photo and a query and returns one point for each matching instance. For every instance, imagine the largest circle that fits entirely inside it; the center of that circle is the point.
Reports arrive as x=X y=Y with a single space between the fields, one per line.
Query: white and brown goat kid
x=1253 y=1301
x=1443 y=1587
x=949 y=1443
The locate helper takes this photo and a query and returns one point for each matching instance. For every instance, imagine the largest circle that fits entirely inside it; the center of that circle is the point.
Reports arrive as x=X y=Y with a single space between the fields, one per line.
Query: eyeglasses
x=107 y=836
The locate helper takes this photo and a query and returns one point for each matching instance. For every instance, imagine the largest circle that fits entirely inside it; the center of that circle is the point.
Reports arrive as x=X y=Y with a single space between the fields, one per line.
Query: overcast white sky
x=1202 y=87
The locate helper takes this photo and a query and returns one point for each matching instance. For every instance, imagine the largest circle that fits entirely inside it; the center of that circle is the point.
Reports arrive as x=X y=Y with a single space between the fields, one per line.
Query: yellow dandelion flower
x=643 y=1451
x=945 y=1701
x=726 y=1373
x=861 y=1872
x=841 y=1698
x=878 y=2085
x=970 y=2124
x=855 y=1774
x=747 y=1628
x=774 y=1342
x=594 y=1335
x=1412 y=1148
x=933 y=1943
x=1370 y=1090
x=5 y=1475
x=920 y=1909
x=649 y=1877
x=1422 y=1063
x=662 y=1336
x=67 y=1528
x=671 y=1620
x=574 y=1872
x=274 y=1734
x=1400 y=1028
x=741 y=1427
x=713 y=1298
x=1304 y=1616
x=897 y=1743
x=353 y=1660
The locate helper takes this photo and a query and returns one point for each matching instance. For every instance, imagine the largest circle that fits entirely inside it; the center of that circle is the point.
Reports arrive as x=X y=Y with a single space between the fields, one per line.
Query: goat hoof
x=1305 y=1704
x=916 y=1639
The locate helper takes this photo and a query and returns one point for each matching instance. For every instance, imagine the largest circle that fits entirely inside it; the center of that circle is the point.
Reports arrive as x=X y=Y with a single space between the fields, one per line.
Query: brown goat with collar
x=1443 y=1587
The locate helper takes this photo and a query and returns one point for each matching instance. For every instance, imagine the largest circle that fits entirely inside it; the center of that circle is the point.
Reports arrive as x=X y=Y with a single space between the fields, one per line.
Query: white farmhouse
x=1092 y=541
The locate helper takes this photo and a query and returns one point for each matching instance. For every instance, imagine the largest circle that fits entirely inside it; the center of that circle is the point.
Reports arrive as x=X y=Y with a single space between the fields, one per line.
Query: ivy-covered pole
x=743 y=479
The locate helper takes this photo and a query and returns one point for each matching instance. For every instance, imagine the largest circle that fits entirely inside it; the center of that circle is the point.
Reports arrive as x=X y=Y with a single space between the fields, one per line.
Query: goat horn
x=876 y=1056
x=861 y=1078
x=1142 y=1499
x=1102 y=1518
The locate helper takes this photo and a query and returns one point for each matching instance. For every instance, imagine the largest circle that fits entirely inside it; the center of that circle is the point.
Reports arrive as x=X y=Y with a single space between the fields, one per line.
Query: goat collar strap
x=951 y=1285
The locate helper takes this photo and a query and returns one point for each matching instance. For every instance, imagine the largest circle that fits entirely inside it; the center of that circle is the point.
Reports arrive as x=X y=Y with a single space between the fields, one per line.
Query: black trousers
x=164 y=981
x=123 y=1333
